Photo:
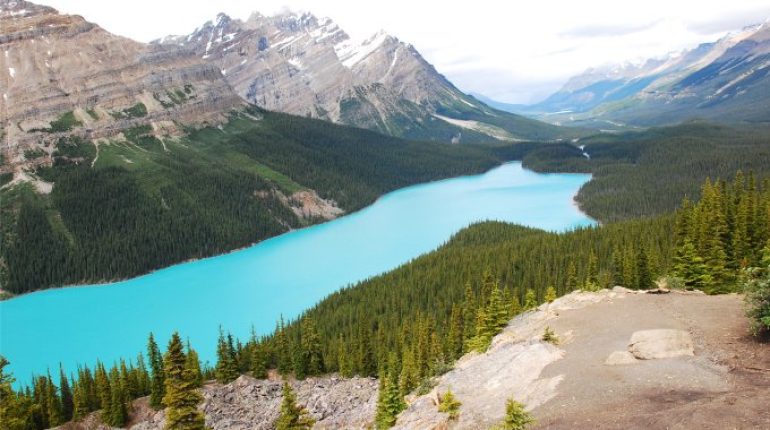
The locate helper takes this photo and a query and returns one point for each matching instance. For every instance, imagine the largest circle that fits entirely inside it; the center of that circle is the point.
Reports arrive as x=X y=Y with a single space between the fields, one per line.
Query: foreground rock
x=248 y=403
x=682 y=360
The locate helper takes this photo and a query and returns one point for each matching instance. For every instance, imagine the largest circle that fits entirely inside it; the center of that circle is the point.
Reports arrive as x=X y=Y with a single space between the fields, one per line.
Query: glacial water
x=280 y=276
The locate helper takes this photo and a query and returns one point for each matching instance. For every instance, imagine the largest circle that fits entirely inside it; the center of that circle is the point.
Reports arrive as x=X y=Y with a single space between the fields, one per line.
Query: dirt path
x=720 y=387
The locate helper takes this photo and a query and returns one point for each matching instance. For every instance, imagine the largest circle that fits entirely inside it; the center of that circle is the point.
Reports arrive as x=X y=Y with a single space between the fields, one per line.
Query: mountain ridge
x=300 y=64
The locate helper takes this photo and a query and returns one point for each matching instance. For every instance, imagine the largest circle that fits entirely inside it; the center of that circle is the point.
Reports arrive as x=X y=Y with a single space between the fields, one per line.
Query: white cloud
x=513 y=51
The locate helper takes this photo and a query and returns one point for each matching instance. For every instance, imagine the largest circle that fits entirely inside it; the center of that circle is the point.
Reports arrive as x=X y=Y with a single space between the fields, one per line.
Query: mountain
x=119 y=157
x=63 y=76
x=724 y=80
x=303 y=65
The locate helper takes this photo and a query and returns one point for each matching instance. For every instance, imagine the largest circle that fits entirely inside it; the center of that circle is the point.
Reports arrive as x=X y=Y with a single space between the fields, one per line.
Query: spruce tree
x=550 y=294
x=67 y=405
x=516 y=417
x=311 y=347
x=450 y=405
x=258 y=361
x=530 y=300
x=116 y=414
x=14 y=409
x=643 y=275
x=455 y=337
x=193 y=365
x=157 y=386
x=390 y=401
x=182 y=396
x=226 y=369
x=292 y=416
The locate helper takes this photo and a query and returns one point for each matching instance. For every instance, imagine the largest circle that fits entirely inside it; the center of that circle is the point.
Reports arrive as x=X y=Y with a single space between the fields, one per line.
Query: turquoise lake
x=281 y=276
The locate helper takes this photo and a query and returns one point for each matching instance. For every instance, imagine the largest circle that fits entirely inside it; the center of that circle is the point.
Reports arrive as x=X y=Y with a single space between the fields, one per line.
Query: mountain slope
x=725 y=80
x=299 y=64
x=61 y=75
x=119 y=157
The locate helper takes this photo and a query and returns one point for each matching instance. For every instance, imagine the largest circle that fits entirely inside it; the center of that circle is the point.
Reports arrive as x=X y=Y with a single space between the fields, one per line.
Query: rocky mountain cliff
x=303 y=65
x=61 y=75
x=725 y=80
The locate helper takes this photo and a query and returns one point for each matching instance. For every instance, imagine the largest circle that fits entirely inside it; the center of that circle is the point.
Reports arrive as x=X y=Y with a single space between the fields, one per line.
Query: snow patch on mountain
x=351 y=53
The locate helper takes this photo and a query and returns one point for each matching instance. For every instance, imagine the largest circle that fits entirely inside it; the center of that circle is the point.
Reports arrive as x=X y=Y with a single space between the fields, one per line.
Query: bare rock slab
x=660 y=343
x=619 y=358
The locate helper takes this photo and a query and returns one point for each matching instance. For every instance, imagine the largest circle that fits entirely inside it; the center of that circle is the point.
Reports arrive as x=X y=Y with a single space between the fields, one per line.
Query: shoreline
x=111 y=282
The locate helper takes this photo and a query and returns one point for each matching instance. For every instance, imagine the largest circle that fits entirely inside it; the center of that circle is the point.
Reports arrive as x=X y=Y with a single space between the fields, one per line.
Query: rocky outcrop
x=60 y=69
x=251 y=404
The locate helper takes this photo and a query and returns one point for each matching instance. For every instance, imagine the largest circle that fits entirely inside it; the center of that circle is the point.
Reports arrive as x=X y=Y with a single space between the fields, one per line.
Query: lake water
x=280 y=276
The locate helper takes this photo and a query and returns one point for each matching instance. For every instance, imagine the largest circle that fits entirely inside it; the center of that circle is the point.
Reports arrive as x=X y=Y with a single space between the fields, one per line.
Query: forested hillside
x=648 y=173
x=125 y=207
x=414 y=322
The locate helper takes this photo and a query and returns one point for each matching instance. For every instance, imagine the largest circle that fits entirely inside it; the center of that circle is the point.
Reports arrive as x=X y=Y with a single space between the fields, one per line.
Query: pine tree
x=157 y=386
x=530 y=299
x=80 y=403
x=226 y=368
x=258 y=361
x=182 y=396
x=643 y=275
x=572 y=281
x=103 y=391
x=617 y=267
x=496 y=313
x=116 y=415
x=690 y=267
x=292 y=416
x=193 y=365
x=390 y=402
x=450 y=405
x=14 y=409
x=469 y=313
x=67 y=405
x=455 y=337
x=516 y=417
x=311 y=347
x=54 y=404
x=550 y=294
x=409 y=377
x=283 y=349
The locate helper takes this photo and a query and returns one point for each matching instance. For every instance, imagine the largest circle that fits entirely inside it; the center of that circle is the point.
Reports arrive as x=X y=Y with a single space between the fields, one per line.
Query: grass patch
x=138 y=110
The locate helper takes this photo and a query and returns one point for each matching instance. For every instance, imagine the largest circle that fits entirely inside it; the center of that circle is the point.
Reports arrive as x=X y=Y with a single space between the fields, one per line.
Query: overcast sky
x=512 y=51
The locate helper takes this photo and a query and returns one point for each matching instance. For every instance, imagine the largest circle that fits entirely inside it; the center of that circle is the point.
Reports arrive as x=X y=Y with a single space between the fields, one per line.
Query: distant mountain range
x=727 y=80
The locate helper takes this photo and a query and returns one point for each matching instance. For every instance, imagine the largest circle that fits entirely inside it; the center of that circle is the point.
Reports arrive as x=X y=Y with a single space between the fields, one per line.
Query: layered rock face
x=61 y=75
x=303 y=65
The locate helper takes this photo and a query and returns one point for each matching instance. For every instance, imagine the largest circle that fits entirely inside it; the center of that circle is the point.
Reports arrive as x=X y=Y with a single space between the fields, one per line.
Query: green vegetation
x=138 y=110
x=639 y=174
x=181 y=383
x=450 y=405
x=65 y=122
x=146 y=204
x=549 y=336
x=390 y=402
x=92 y=113
x=725 y=232
x=293 y=416
x=516 y=417
x=756 y=286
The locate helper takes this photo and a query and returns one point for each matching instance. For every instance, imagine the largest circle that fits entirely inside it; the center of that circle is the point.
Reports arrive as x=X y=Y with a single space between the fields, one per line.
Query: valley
x=269 y=222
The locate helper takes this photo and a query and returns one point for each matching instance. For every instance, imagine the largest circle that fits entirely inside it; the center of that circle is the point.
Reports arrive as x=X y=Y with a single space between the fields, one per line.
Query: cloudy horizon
x=508 y=53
